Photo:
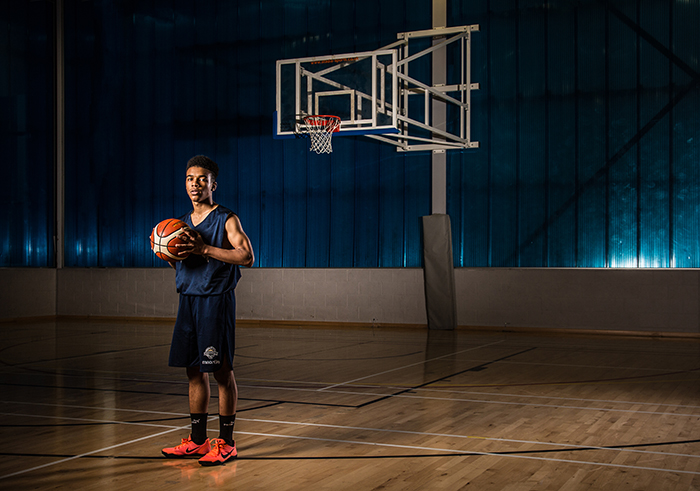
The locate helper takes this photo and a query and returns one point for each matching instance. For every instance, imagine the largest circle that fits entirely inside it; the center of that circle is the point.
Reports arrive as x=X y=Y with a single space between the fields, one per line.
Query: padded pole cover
x=438 y=272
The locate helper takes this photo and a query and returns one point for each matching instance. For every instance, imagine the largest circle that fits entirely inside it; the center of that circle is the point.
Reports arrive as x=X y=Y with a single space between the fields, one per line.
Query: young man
x=204 y=334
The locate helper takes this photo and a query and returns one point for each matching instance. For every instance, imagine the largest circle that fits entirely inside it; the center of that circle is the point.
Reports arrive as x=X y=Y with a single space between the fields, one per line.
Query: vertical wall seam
x=59 y=143
x=607 y=248
x=489 y=151
x=638 y=116
x=671 y=173
x=546 y=188
x=577 y=145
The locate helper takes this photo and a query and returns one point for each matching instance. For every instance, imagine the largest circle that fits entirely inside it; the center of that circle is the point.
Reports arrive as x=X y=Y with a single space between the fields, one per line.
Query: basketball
x=165 y=238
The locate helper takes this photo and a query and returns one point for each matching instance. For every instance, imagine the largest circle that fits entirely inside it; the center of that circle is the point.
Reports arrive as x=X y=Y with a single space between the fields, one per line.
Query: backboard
x=373 y=94
x=360 y=88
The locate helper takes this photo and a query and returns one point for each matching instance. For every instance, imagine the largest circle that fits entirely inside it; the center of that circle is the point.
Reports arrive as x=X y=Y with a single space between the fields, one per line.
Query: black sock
x=199 y=427
x=226 y=428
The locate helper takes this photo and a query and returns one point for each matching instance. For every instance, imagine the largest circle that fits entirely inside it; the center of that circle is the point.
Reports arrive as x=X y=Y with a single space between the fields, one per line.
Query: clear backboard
x=360 y=88
x=373 y=94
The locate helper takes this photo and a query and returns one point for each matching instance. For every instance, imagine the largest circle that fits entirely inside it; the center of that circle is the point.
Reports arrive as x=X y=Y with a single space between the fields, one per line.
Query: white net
x=320 y=130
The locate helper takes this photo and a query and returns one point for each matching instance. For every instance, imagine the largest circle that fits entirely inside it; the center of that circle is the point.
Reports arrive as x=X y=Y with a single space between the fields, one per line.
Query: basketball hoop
x=320 y=129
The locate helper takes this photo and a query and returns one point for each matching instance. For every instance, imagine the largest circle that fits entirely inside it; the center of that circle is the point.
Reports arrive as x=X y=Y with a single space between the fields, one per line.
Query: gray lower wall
x=121 y=292
x=664 y=301
x=649 y=300
x=27 y=292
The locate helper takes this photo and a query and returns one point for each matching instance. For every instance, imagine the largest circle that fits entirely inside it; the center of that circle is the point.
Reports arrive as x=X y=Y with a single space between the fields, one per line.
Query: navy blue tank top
x=198 y=275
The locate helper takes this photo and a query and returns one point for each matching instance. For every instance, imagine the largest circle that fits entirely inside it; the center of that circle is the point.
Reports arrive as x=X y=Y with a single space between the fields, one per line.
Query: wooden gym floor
x=88 y=406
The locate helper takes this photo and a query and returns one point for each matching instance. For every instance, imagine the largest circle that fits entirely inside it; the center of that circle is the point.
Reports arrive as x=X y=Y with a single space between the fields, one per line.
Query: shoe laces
x=184 y=443
x=216 y=445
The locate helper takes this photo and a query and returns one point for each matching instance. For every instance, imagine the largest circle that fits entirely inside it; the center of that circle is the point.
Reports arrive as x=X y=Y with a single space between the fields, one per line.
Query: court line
x=597 y=367
x=73 y=357
x=409 y=366
x=158 y=393
x=403 y=394
x=72 y=406
x=79 y=372
x=85 y=454
x=448 y=389
x=444 y=389
x=92 y=420
x=483 y=438
x=507 y=403
x=454 y=374
x=354 y=442
x=469 y=453
x=527 y=396
x=342 y=427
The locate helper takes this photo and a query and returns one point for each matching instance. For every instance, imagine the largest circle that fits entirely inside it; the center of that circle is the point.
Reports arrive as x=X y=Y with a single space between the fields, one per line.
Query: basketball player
x=204 y=334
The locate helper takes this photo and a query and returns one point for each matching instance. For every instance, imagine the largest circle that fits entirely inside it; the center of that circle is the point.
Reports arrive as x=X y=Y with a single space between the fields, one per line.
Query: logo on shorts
x=211 y=352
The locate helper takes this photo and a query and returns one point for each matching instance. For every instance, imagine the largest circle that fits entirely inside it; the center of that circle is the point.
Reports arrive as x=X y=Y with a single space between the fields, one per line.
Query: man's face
x=200 y=185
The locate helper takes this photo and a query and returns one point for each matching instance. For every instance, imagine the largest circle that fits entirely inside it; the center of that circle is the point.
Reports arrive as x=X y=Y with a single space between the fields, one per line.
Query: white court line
x=73 y=406
x=354 y=442
x=85 y=454
x=91 y=420
x=468 y=452
x=466 y=437
x=77 y=373
x=408 y=366
x=321 y=425
x=451 y=399
x=526 y=396
x=448 y=390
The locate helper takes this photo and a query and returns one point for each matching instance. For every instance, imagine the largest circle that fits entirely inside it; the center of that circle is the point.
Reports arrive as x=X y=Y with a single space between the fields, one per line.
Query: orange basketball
x=166 y=236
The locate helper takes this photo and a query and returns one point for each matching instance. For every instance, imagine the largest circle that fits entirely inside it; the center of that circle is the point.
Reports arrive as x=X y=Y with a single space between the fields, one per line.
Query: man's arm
x=237 y=249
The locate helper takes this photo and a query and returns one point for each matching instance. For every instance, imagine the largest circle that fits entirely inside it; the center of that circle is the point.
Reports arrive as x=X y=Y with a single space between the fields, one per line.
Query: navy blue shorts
x=205 y=332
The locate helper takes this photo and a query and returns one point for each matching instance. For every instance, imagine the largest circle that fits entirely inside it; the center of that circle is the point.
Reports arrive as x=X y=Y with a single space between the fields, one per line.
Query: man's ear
x=213 y=186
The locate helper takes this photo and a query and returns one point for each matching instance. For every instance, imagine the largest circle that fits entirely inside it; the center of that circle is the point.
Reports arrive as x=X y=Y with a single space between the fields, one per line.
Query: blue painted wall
x=587 y=120
x=26 y=134
x=154 y=83
x=589 y=132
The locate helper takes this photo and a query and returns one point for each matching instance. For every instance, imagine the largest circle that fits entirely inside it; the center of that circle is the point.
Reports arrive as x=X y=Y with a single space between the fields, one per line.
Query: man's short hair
x=205 y=163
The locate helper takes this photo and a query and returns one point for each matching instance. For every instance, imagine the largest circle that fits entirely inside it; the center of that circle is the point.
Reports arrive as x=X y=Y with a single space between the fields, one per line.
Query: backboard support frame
x=381 y=104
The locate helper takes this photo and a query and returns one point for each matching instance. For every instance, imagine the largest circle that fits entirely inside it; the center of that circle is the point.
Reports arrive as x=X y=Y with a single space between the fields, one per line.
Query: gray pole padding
x=438 y=271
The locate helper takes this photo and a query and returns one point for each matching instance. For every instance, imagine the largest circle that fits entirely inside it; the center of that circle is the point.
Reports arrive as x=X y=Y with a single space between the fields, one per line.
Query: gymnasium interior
x=515 y=310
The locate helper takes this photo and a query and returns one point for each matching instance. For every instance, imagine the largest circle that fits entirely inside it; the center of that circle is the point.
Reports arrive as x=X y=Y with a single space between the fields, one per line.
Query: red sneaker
x=187 y=448
x=220 y=452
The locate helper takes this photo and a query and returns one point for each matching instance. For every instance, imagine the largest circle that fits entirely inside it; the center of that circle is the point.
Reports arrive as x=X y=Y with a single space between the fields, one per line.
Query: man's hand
x=236 y=249
x=193 y=243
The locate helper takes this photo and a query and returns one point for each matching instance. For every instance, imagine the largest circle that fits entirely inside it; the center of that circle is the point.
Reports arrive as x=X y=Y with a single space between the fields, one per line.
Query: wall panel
x=26 y=134
x=605 y=148
x=561 y=143
x=623 y=126
x=654 y=148
x=585 y=117
x=503 y=126
x=531 y=136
